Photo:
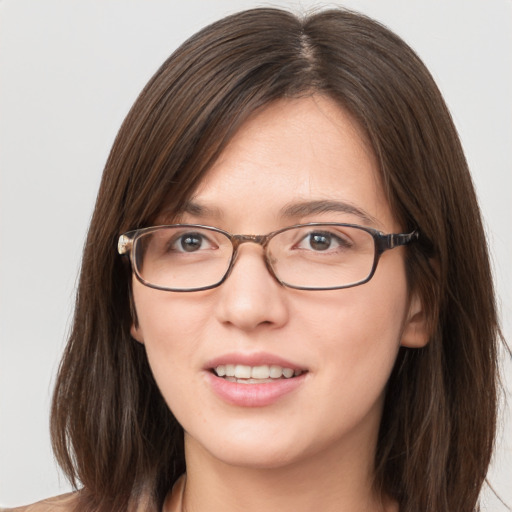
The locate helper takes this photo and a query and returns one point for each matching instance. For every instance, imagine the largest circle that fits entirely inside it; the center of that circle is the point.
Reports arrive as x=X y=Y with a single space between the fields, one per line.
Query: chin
x=251 y=449
x=257 y=458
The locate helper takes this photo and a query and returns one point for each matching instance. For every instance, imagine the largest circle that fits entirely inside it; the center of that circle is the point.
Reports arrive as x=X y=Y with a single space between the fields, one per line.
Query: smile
x=244 y=374
x=254 y=380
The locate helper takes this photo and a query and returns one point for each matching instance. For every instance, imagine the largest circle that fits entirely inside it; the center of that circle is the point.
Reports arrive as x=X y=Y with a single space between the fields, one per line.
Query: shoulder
x=63 y=503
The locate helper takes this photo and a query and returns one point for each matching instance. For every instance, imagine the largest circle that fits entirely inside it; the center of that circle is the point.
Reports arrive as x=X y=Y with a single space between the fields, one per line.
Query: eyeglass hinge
x=123 y=244
x=401 y=239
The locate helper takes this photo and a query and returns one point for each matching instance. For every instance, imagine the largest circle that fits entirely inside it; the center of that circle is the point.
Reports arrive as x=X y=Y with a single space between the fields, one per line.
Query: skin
x=313 y=449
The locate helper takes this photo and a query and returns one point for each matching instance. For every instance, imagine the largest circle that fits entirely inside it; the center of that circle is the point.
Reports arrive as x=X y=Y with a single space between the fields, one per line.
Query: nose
x=251 y=297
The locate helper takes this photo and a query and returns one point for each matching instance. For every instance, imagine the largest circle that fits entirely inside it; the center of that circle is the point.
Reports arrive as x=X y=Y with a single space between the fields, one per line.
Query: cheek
x=355 y=318
x=357 y=344
x=171 y=327
x=169 y=321
x=357 y=331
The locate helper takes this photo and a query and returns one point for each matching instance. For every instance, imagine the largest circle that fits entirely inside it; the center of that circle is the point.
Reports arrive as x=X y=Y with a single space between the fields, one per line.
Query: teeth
x=276 y=372
x=264 y=372
x=242 y=371
x=260 y=372
x=288 y=372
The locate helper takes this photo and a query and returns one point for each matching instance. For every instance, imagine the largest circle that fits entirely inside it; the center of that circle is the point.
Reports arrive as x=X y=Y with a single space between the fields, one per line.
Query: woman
x=323 y=366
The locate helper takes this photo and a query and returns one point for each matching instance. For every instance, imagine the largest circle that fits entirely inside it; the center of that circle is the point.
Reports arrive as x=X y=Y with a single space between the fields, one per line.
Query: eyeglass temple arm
x=386 y=242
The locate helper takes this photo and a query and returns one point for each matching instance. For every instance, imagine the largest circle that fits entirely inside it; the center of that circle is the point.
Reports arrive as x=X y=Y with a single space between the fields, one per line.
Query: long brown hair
x=112 y=431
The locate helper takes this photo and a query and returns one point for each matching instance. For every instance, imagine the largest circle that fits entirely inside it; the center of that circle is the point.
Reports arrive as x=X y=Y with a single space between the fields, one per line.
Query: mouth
x=254 y=380
x=261 y=374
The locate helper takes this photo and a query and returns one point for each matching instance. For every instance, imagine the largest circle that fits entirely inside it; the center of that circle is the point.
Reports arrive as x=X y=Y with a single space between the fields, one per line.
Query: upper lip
x=254 y=359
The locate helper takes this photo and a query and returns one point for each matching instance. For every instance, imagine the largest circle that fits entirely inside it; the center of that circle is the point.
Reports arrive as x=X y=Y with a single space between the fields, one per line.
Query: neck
x=337 y=479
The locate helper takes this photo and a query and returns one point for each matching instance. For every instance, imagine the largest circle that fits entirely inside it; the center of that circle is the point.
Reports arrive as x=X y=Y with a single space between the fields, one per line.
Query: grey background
x=69 y=71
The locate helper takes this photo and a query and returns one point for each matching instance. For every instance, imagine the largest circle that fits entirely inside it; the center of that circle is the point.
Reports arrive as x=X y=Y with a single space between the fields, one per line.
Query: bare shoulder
x=63 y=503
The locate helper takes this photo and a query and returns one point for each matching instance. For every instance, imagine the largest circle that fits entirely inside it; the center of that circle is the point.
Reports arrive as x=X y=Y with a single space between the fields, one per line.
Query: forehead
x=294 y=152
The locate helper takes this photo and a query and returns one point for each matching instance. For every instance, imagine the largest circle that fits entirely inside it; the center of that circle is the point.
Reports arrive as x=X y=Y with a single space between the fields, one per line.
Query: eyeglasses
x=315 y=256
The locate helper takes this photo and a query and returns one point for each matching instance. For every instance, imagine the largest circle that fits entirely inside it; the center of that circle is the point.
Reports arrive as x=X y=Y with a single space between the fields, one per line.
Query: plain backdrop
x=69 y=71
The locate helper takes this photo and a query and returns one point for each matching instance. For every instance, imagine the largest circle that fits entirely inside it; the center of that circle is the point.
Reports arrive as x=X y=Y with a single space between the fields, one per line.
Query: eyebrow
x=199 y=210
x=293 y=210
x=307 y=208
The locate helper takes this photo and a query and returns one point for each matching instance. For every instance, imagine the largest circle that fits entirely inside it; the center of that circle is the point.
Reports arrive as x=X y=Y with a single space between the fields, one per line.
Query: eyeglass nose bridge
x=263 y=240
x=238 y=240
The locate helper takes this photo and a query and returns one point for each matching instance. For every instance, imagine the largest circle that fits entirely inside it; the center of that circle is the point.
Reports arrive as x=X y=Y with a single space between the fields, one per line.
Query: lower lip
x=253 y=395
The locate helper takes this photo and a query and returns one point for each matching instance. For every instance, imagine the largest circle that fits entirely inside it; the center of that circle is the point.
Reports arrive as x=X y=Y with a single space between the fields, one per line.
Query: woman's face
x=343 y=342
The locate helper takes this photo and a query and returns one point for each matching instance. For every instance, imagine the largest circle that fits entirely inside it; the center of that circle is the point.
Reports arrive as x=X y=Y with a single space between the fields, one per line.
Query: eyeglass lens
x=321 y=256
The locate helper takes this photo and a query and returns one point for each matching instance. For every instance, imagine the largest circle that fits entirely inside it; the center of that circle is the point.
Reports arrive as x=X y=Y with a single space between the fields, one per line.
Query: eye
x=190 y=242
x=322 y=241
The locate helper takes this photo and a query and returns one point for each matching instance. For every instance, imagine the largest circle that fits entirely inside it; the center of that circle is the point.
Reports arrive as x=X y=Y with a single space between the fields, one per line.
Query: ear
x=135 y=330
x=136 y=333
x=415 y=333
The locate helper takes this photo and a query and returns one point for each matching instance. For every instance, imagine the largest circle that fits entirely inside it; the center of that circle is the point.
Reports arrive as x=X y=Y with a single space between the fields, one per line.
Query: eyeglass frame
x=382 y=243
